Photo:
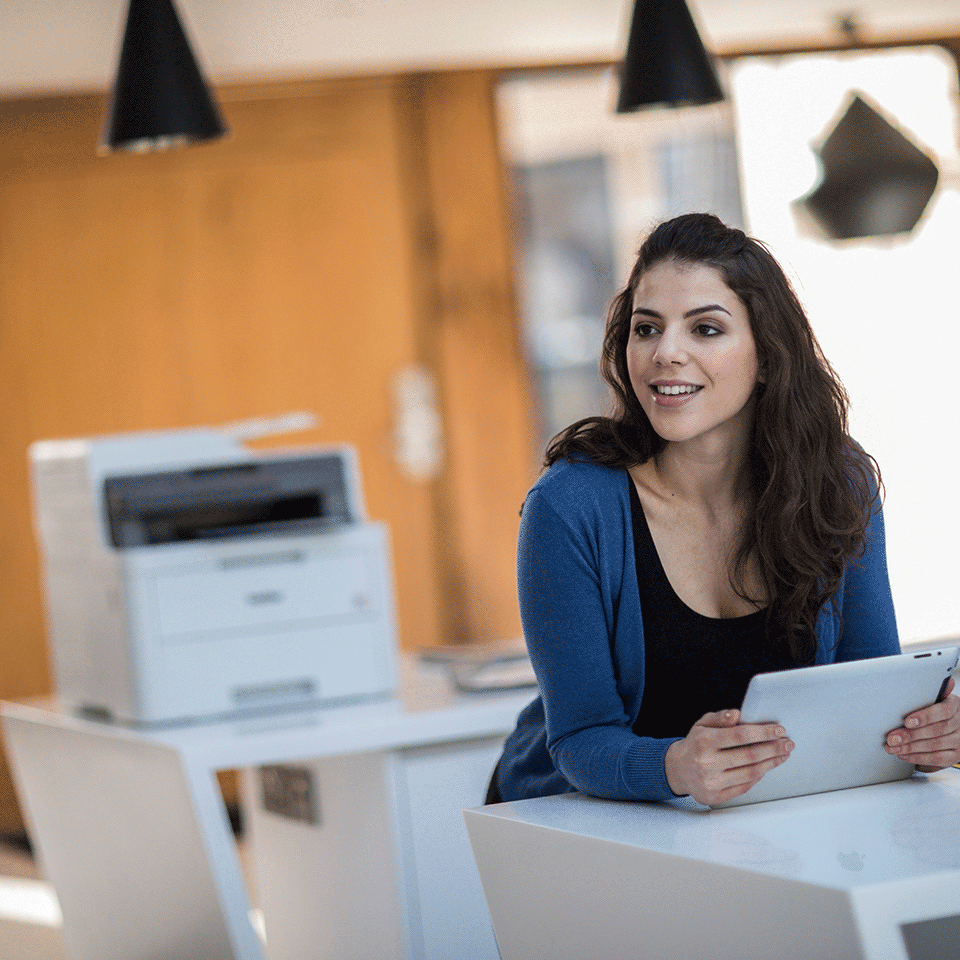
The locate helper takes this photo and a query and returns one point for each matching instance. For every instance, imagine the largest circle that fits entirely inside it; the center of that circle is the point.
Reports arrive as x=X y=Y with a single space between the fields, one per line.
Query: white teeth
x=673 y=391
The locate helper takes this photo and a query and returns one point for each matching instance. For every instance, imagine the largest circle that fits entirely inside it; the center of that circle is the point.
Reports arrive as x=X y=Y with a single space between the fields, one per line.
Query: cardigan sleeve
x=568 y=625
x=869 y=622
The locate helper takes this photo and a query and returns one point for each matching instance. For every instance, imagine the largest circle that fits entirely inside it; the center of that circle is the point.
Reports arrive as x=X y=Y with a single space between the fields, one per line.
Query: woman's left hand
x=929 y=738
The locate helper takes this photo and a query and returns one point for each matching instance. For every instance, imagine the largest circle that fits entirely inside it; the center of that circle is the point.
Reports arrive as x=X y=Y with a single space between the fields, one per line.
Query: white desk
x=833 y=876
x=130 y=828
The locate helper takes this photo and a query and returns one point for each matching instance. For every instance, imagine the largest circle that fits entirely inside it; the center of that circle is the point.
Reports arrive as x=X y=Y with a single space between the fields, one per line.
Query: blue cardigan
x=580 y=608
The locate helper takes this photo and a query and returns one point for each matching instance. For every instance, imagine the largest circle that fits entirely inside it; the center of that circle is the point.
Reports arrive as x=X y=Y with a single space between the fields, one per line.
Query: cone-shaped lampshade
x=875 y=181
x=159 y=98
x=666 y=62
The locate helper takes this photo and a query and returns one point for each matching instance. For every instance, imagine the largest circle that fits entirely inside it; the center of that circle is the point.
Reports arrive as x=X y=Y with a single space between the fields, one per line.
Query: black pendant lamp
x=159 y=99
x=876 y=182
x=666 y=62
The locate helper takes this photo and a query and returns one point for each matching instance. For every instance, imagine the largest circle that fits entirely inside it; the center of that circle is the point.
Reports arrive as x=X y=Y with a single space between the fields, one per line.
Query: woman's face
x=691 y=354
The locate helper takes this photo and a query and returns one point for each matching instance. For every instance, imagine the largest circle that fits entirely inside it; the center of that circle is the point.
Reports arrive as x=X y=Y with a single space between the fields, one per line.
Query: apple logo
x=850 y=861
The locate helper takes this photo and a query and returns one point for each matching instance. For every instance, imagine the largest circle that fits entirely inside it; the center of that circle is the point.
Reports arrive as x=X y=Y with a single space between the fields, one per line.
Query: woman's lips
x=674 y=399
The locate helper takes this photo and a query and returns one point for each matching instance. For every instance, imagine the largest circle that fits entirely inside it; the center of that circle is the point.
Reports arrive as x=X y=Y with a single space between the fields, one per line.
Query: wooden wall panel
x=345 y=230
x=485 y=381
x=275 y=271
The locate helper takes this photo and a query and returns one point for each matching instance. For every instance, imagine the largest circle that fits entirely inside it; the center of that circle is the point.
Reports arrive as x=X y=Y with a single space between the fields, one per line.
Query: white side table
x=865 y=874
x=130 y=828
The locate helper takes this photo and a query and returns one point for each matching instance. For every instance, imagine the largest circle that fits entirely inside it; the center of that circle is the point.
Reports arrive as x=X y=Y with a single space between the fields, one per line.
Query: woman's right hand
x=720 y=758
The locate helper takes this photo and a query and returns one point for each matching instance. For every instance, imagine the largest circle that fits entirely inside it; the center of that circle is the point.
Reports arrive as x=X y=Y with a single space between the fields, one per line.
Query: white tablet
x=838 y=716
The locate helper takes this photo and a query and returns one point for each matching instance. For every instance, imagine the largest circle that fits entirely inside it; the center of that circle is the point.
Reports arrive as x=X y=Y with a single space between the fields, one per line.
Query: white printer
x=187 y=576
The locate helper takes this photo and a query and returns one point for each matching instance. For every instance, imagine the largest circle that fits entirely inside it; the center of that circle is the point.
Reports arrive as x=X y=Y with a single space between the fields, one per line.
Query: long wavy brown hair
x=809 y=489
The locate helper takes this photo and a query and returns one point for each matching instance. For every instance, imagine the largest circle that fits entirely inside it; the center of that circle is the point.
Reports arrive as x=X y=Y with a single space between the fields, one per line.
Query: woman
x=720 y=523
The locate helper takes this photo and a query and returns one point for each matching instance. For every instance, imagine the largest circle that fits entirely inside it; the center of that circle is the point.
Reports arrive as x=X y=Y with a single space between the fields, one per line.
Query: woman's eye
x=644 y=329
x=706 y=330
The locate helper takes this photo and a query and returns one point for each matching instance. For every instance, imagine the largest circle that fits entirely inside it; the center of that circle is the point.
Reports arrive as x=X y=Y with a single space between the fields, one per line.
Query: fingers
x=741 y=780
x=717 y=761
x=720 y=747
x=724 y=718
x=936 y=721
x=727 y=784
x=936 y=712
x=735 y=734
x=929 y=738
x=933 y=731
x=932 y=762
x=935 y=753
x=740 y=746
x=757 y=753
x=748 y=733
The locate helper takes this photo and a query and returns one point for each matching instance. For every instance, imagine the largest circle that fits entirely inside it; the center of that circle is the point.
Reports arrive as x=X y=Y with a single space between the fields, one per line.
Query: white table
x=866 y=874
x=130 y=828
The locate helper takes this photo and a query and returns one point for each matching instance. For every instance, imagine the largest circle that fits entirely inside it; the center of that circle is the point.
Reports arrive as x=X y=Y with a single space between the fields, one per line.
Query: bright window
x=886 y=311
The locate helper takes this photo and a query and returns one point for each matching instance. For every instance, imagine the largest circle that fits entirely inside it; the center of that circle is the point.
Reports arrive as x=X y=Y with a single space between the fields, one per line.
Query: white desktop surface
x=427 y=709
x=130 y=827
x=831 y=875
x=843 y=839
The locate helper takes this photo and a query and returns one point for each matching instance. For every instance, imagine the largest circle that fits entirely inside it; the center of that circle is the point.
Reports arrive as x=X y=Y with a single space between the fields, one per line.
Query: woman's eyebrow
x=709 y=308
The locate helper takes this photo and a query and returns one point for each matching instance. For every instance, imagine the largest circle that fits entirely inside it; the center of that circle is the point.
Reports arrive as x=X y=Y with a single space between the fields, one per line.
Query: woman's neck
x=709 y=475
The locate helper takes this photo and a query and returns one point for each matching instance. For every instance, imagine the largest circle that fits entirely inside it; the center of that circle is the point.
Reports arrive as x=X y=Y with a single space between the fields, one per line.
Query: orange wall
x=345 y=230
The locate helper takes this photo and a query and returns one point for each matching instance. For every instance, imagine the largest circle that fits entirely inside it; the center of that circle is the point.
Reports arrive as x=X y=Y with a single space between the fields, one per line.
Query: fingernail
x=912 y=722
x=780 y=731
x=894 y=741
x=790 y=744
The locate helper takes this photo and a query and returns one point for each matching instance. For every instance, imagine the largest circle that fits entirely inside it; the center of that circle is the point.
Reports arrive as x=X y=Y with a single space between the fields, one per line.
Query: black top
x=692 y=664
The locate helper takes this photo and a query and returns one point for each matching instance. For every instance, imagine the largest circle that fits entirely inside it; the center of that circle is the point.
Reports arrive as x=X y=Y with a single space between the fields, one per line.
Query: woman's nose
x=670 y=349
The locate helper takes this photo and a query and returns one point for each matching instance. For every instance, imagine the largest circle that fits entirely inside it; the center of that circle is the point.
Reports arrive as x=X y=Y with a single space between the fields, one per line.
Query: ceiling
x=64 y=45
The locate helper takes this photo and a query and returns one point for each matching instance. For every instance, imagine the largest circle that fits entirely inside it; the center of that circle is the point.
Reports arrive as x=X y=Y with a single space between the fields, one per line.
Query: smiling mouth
x=674 y=391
